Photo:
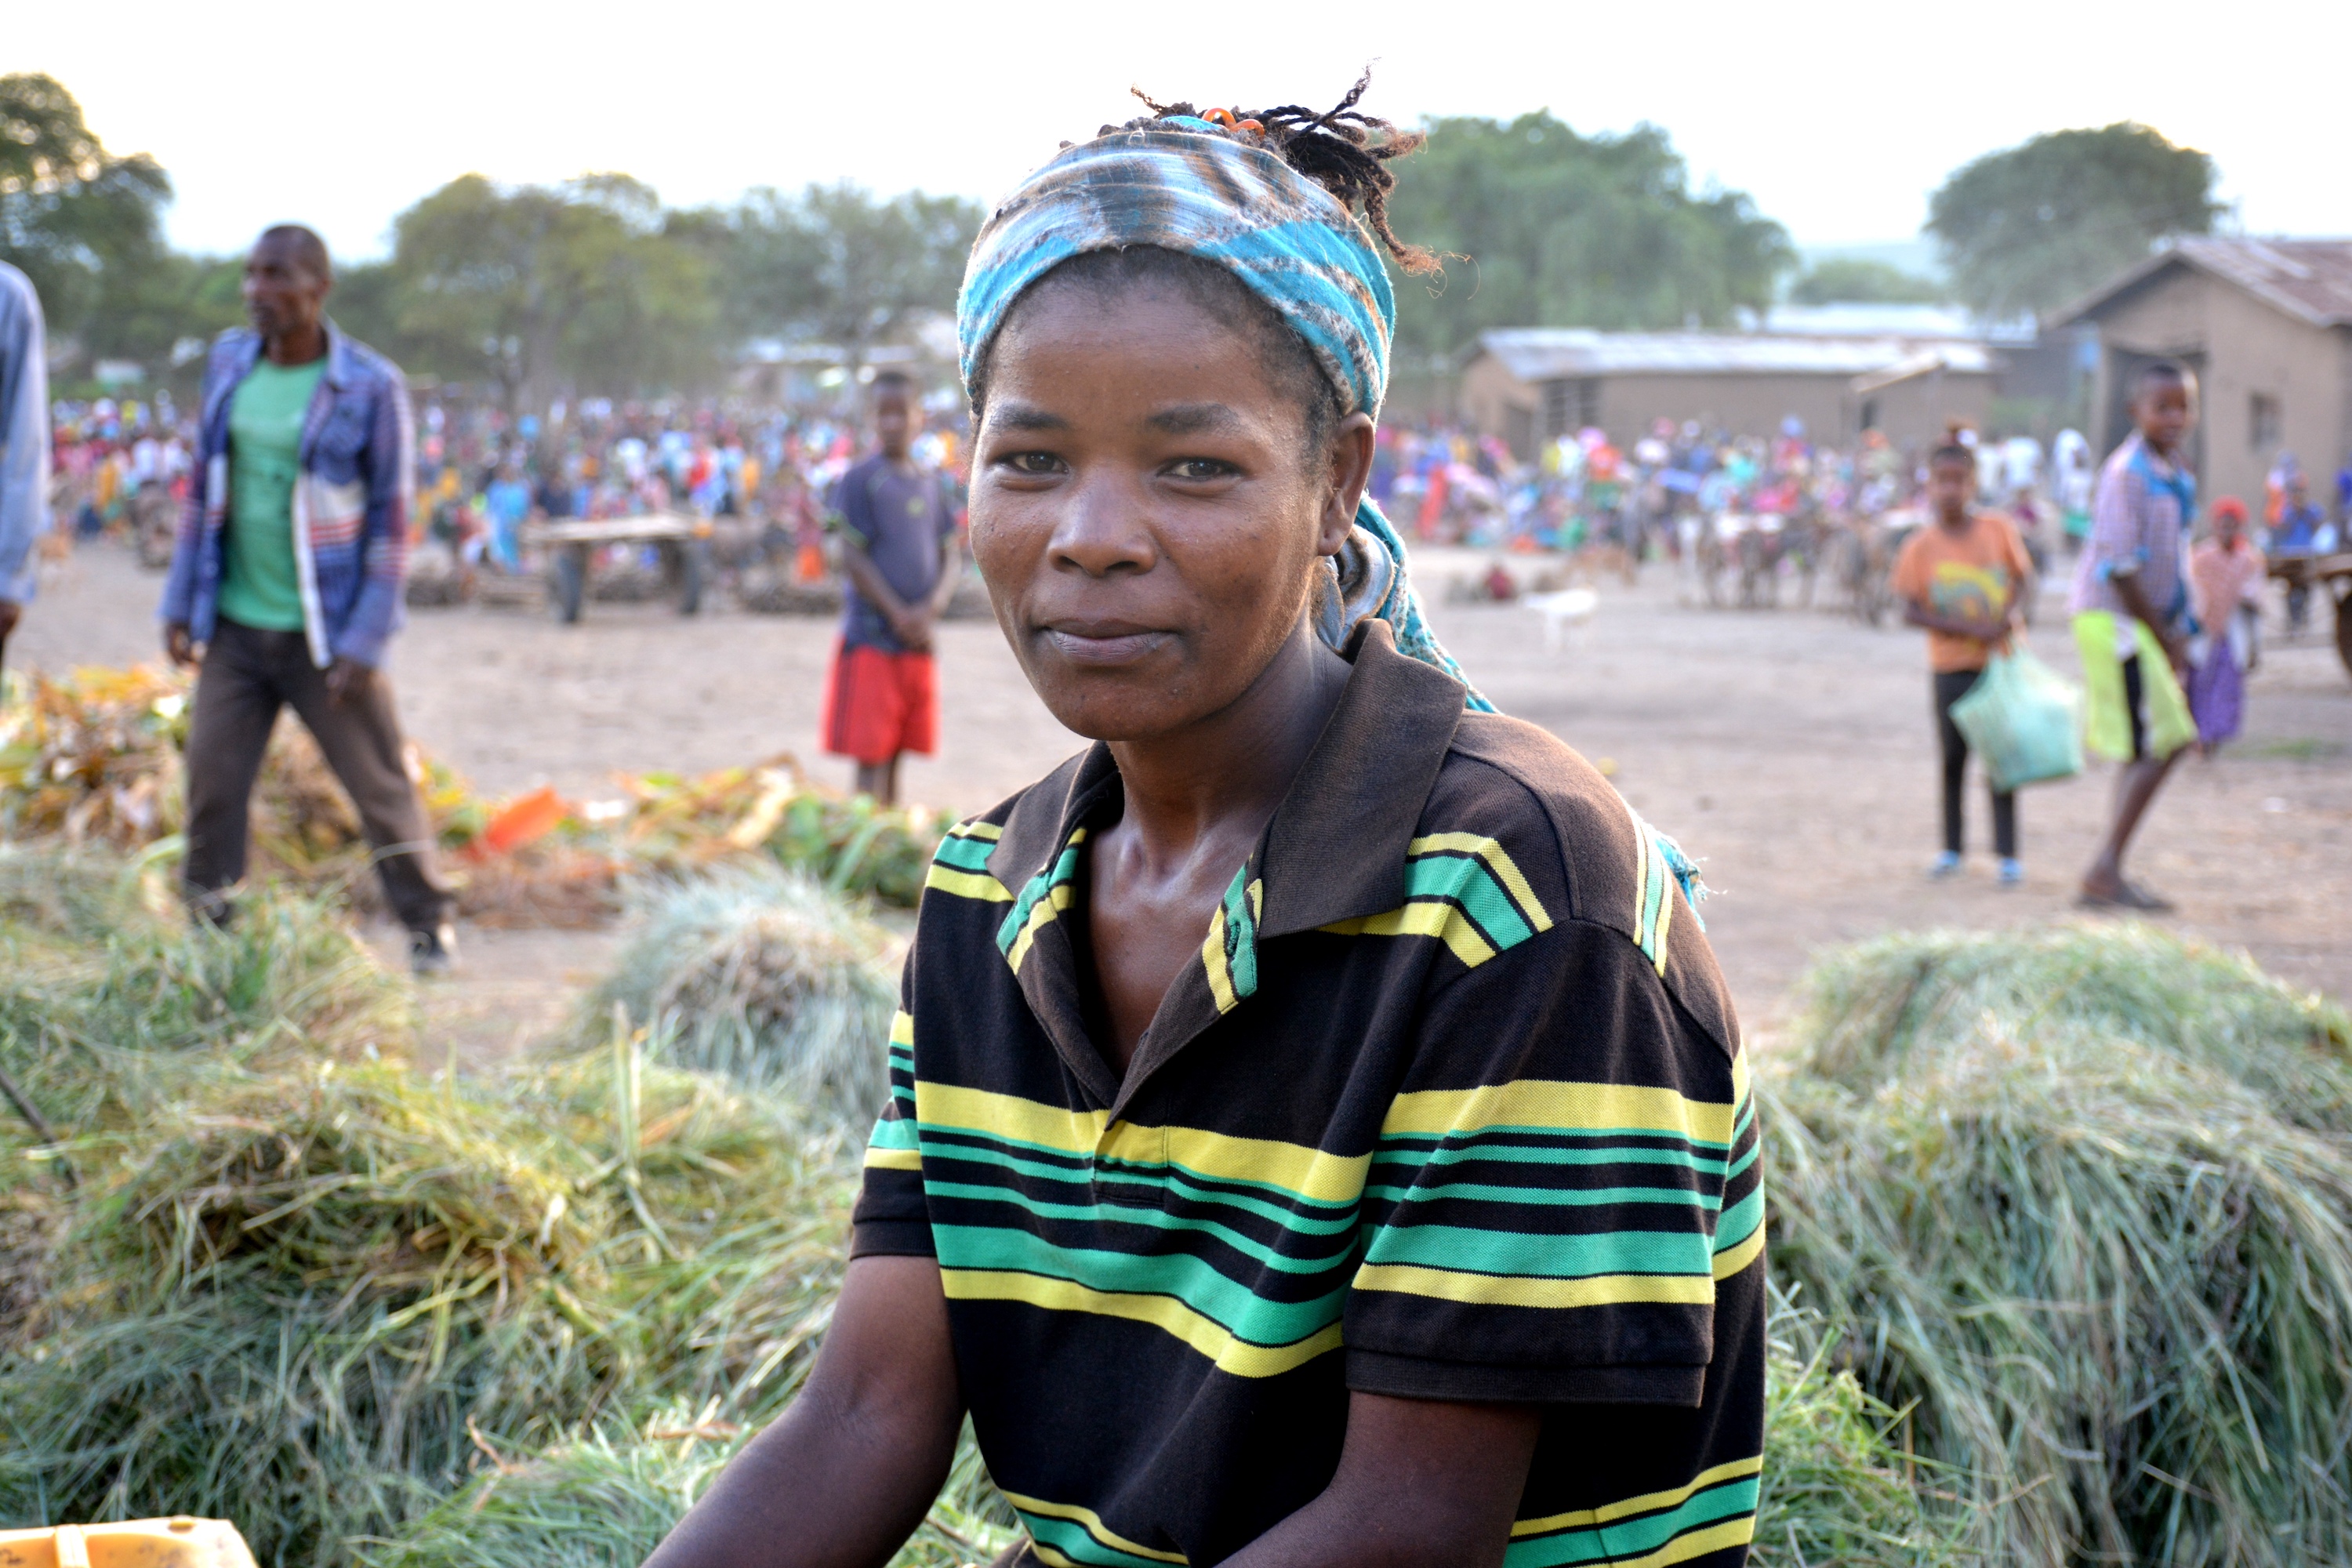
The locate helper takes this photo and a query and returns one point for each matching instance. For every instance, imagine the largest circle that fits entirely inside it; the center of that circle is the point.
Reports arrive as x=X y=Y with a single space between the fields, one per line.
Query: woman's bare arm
x=848 y=1472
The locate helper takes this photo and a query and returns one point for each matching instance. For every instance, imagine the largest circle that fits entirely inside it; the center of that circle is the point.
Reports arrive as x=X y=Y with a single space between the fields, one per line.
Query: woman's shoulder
x=985 y=859
x=1555 y=829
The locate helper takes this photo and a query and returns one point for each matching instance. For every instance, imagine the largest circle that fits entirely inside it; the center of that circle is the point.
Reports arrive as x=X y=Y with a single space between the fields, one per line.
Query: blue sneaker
x=1944 y=867
x=2012 y=872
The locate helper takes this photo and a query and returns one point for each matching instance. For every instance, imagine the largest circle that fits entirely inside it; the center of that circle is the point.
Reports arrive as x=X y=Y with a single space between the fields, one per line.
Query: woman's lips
x=1108 y=643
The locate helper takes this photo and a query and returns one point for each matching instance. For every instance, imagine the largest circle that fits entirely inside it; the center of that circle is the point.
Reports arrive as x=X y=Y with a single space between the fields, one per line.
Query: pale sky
x=1839 y=120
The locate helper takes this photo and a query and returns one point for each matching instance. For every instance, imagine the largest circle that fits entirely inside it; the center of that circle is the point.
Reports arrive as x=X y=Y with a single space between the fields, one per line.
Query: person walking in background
x=2225 y=576
x=1965 y=580
x=507 y=499
x=24 y=443
x=2297 y=534
x=2130 y=604
x=286 y=582
x=899 y=555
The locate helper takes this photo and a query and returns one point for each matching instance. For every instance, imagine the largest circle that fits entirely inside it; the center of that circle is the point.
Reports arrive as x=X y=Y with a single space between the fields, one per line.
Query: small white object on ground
x=1568 y=608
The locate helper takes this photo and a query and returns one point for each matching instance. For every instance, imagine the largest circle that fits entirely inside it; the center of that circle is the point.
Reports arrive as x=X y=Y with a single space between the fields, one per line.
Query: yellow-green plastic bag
x=2107 y=730
x=2023 y=721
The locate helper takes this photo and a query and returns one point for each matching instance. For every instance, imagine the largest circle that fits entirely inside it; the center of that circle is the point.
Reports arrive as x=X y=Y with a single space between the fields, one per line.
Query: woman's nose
x=1103 y=529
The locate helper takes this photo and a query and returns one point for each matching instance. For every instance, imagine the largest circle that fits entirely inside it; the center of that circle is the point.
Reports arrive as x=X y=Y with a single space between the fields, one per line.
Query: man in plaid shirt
x=286 y=581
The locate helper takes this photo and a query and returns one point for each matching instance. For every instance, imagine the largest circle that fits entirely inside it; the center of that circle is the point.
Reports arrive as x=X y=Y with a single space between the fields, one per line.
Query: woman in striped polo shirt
x=1319 y=1131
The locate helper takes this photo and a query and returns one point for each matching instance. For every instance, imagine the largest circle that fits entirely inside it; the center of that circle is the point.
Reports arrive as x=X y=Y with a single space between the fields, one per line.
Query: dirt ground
x=1791 y=752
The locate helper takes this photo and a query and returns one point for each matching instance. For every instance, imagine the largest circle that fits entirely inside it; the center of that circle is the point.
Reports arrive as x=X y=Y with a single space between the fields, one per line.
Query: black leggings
x=1951 y=685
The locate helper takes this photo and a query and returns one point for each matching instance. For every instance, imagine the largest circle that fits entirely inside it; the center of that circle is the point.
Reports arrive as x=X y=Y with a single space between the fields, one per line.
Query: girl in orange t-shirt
x=1964 y=578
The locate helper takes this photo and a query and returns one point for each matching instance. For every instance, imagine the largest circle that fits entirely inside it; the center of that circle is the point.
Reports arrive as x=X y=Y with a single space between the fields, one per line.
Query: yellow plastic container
x=176 y=1542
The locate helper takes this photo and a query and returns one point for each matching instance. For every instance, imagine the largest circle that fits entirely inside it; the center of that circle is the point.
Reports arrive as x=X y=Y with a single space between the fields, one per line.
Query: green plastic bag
x=2025 y=720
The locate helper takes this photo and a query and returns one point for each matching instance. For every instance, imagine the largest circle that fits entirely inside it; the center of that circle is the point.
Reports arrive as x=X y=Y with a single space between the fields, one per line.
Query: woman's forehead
x=1144 y=338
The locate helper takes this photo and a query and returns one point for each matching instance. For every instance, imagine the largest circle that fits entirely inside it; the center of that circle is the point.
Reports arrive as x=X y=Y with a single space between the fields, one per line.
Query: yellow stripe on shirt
x=1556 y=1103
x=1650 y=1502
x=1091 y=1522
x=1206 y=1335
x=1505 y=870
x=1518 y=1290
x=977 y=885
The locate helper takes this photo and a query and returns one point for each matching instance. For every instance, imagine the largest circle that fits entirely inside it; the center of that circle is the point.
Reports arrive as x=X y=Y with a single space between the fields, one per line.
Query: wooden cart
x=2332 y=575
x=569 y=544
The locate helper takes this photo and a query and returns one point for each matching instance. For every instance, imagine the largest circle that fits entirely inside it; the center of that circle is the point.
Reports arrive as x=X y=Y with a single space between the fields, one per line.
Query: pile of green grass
x=764 y=977
x=312 y=1303
x=2085 y=1199
x=1837 y=1489
x=308 y=1292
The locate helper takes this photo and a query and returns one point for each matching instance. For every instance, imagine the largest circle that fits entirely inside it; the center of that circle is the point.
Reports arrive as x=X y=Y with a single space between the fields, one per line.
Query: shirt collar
x=1336 y=847
x=1334 y=850
x=343 y=354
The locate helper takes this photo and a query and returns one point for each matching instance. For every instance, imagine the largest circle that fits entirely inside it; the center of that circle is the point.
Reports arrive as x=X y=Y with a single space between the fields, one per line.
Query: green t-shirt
x=259 y=586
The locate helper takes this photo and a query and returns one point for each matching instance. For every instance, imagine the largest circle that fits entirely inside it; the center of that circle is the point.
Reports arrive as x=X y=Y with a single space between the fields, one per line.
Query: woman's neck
x=1215 y=784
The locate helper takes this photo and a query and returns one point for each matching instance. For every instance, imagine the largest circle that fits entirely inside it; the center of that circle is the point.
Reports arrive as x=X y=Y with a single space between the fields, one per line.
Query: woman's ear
x=1349 y=459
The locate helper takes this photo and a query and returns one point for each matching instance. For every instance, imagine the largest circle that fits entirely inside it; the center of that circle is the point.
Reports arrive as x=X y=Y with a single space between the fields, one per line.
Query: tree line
x=594 y=286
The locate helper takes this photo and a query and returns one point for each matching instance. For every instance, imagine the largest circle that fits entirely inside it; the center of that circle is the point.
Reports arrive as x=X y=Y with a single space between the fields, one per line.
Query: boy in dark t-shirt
x=899 y=555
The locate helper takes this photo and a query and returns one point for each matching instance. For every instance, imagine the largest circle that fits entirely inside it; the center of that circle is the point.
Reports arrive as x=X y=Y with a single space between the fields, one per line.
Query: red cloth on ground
x=878 y=704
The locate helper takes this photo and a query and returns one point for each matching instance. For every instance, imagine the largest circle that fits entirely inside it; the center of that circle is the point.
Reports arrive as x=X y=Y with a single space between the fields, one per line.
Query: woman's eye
x=1034 y=463
x=1201 y=468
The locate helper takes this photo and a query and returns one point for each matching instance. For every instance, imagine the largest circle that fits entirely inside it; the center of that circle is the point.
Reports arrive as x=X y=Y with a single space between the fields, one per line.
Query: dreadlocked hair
x=1342 y=149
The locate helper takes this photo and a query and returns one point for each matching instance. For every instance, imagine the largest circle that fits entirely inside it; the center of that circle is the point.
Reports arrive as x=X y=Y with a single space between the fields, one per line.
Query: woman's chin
x=1117 y=704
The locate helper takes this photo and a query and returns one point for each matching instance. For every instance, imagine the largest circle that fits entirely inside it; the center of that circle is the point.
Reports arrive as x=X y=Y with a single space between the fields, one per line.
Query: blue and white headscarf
x=1184 y=186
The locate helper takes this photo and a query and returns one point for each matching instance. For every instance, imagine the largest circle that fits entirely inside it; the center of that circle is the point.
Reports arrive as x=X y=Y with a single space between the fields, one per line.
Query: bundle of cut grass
x=1836 y=1489
x=606 y=1504
x=2086 y=1196
x=676 y=825
x=312 y=1303
x=763 y=975
x=110 y=1000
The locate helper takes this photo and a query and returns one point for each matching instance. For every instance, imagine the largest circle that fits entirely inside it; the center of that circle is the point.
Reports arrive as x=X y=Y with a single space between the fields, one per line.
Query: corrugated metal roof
x=1914 y=323
x=1553 y=353
x=2310 y=280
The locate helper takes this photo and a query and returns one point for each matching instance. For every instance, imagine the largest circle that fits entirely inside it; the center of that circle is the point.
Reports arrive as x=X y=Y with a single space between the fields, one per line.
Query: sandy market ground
x=1790 y=751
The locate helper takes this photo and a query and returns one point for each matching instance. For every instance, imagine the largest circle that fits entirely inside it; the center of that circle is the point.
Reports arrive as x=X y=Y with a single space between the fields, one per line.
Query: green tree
x=84 y=225
x=1548 y=229
x=1853 y=280
x=837 y=265
x=545 y=288
x=2031 y=227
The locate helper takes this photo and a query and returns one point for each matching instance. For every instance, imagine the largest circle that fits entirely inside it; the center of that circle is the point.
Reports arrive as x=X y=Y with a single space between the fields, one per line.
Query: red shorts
x=879 y=704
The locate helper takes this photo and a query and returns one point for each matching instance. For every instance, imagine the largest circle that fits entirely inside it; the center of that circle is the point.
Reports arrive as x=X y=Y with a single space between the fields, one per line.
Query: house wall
x=1742 y=404
x=1495 y=403
x=1920 y=412
x=2241 y=348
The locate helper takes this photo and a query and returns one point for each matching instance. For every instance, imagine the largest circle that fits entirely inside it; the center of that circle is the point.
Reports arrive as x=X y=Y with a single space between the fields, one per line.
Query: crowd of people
x=1965 y=528
x=482 y=474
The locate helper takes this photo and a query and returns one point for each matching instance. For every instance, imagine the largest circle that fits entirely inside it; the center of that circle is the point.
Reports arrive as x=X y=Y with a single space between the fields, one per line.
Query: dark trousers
x=247 y=677
x=1951 y=685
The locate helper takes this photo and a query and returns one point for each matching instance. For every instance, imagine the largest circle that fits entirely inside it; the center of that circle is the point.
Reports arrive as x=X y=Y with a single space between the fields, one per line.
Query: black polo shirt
x=1451 y=1106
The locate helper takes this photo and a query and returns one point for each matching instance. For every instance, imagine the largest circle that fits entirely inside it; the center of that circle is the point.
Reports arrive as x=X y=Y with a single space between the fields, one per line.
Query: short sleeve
x=892 y=1218
x=2118 y=521
x=852 y=507
x=1568 y=1170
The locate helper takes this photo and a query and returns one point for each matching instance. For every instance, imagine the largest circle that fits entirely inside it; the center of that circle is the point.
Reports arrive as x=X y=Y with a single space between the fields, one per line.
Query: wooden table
x=569 y=543
x=2332 y=575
